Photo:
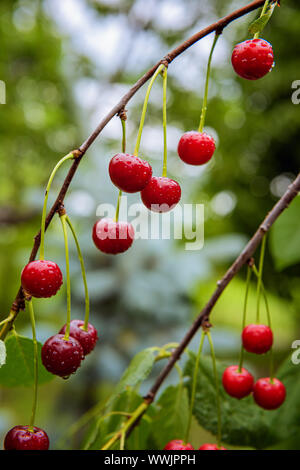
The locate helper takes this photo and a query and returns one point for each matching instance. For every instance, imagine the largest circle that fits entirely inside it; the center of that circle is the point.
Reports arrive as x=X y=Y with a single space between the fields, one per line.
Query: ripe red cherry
x=252 y=59
x=211 y=447
x=87 y=339
x=196 y=148
x=269 y=394
x=41 y=278
x=20 y=438
x=60 y=356
x=257 y=339
x=178 y=444
x=161 y=194
x=129 y=173
x=237 y=384
x=113 y=237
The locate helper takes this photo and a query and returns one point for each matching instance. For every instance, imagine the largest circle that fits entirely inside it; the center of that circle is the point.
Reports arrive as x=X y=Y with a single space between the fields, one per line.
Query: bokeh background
x=65 y=64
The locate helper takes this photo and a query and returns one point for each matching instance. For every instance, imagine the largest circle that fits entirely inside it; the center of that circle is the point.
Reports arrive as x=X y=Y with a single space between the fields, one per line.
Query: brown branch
x=18 y=303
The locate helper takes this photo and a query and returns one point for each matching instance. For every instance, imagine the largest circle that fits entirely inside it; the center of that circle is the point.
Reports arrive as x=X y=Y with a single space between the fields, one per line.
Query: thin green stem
x=123 y=122
x=35 y=365
x=218 y=398
x=249 y=272
x=86 y=291
x=259 y=279
x=118 y=206
x=204 y=105
x=194 y=386
x=44 y=212
x=64 y=227
x=165 y=75
x=263 y=11
x=138 y=140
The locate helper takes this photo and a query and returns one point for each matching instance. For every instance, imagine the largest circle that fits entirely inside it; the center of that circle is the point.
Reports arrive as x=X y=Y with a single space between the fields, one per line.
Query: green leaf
x=243 y=422
x=259 y=24
x=284 y=237
x=18 y=370
x=171 y=419
x=138 y=370
x=2 y=353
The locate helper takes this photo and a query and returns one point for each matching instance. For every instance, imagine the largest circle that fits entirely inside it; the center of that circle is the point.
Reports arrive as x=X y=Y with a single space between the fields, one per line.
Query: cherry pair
x=177 y=444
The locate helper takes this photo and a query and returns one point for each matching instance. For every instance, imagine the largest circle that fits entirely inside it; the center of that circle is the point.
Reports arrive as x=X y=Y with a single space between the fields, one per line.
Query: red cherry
x=252 y=59
x=87 y=339
x=129 y=173
x=60 y=356
x=178 y=444
x=257 y=339
x=237 y=384
x=161 y=194
x=41 y=278
x=21 y=438
x=269 y=394
x=196 y=148
x=113 y=237
x=211 y=447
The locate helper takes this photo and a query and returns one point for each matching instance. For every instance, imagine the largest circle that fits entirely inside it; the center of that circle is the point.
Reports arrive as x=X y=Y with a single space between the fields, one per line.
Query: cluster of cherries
x=60 y=356
x=269 y=393
x=251 y=59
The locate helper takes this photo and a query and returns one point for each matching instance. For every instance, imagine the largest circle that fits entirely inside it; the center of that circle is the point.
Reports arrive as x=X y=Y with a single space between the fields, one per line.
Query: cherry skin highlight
x=211 y=447
x=21 y=438
x=113 y=237
x=178 y=444
x=257 y=339
x=161 y=194
x=196 y=148
x=87 y=339
x=252 y=59
x=269 y=395
x=60 y=356
x=129 y=173
x=41 y=278
x=237 y=384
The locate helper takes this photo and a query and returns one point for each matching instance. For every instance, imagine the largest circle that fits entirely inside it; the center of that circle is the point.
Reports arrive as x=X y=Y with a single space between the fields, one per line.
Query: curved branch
x=18 y=303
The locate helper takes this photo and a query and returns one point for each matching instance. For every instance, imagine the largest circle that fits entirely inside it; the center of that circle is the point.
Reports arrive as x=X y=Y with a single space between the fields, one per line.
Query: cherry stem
x=204 y=105
x=269 y=322
x=218 y=401
x=35 y=365
x=194 y=386
x=43 y=223
x=263 y=11
x=86 y=291
x=123 y=122
x=165 y=75
x=249 y=273
x=138 y=140
x=259 y=278
x=64 y=227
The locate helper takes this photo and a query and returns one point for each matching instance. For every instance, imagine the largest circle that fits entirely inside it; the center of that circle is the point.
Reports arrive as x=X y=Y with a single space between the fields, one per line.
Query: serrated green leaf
x=18 y=370
x=138 y=370
x=259 y=24
x=284 y=237
x=2 y=353
x=171 y=419
x=243 y=422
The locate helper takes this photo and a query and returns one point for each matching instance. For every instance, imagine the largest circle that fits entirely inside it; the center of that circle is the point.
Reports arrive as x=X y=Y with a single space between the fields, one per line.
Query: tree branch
x=18 y=303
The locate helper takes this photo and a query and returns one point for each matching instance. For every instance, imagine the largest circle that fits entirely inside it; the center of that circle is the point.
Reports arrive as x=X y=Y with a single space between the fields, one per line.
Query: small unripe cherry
x=237 y=384
x=211 y=447
x=87 y=339
x=23 y=438
x=269 y=394
x=41 y=278
x=129 y=173
x=252 y=59
x=196 y=148
x=178 y=444
x=161 y=194
x=113 y=237
x=257 y=339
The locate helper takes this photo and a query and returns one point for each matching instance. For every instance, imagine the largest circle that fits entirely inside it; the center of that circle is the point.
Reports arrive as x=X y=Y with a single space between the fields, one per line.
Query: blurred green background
x=64 y=65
